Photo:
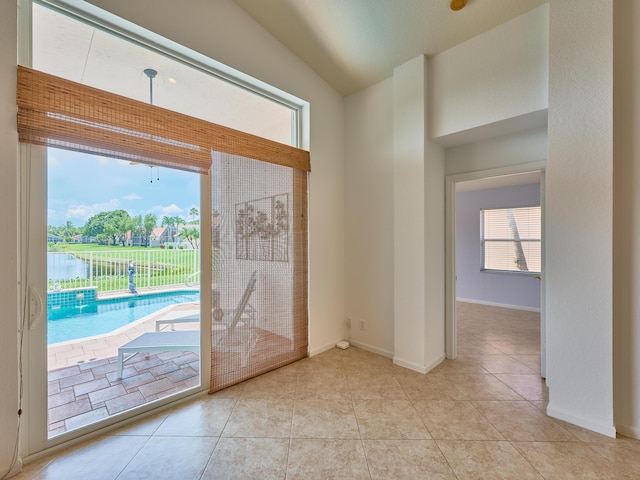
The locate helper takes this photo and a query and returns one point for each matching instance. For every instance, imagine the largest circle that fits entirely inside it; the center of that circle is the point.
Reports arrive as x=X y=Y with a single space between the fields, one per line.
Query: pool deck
x=83 y=383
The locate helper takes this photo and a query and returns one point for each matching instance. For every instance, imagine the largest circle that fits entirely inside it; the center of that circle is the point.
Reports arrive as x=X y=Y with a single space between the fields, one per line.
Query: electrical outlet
x=361 y=322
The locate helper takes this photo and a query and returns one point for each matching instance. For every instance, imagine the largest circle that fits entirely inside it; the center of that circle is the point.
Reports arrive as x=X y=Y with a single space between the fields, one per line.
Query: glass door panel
x=123 y=287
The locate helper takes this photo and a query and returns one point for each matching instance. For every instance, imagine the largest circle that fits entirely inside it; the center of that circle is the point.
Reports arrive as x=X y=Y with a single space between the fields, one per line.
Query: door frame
x=450 y=252
x=35 y=440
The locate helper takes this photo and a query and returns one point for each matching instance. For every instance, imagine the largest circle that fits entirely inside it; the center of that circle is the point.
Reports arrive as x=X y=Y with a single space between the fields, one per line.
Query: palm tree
x=191 y=235
x=194 y=213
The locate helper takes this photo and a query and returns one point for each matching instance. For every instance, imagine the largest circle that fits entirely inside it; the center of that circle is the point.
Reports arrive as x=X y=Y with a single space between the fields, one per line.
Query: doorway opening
x=510 y=301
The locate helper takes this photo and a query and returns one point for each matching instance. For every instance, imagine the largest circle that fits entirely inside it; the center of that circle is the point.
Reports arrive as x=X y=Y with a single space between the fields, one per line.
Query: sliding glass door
x=123 y=258
x=123 y=271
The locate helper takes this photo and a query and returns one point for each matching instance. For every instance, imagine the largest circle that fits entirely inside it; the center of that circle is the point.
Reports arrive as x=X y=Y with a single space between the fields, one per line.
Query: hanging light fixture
x=457 y=4
x=151 y=74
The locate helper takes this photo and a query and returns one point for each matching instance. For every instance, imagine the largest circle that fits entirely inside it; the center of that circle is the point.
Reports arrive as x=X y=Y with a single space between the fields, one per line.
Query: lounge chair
x=179 y=340
x=178 y=316
x=238 y=335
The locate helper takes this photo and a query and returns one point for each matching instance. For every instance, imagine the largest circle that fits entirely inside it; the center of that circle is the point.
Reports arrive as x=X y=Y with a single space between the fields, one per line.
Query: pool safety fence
x=109 y=271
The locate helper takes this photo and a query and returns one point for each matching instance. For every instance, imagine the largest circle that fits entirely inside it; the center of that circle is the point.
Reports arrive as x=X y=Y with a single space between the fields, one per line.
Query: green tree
x=118 y=224
x=111 y=225
x=173 y=224
x=53 y=230
x=95 y=227
x=191 y=235
x=137 y=227
x=68 y=230
x=168 y=221
x=193 y=211
x=149 y=223
x=179 y=221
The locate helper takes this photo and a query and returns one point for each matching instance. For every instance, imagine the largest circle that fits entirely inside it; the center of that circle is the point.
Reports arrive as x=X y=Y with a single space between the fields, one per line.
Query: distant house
x=160 y=236
x=132 y=240
x=51 y=238
x=83 y=239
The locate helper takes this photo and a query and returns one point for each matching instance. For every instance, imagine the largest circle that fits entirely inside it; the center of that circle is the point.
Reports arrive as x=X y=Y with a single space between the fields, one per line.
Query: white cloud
x=132 y=196
x=168 y=210
x=84 y=212
x=173 y=208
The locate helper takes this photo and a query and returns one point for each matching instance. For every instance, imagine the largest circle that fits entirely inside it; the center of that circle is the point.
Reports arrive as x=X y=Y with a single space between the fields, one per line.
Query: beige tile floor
x=354 y=415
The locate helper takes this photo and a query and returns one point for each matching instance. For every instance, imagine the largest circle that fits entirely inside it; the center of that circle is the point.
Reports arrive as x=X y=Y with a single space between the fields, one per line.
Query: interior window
x=511 y=239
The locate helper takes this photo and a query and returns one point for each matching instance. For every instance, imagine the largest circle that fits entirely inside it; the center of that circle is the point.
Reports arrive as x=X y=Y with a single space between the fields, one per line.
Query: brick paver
x=83 y=384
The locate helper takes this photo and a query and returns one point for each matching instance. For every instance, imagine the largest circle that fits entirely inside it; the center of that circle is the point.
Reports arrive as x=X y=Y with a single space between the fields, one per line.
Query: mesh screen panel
x=259 y=269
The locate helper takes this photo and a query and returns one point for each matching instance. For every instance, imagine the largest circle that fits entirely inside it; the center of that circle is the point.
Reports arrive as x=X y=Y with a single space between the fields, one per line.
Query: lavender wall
x=497 y=288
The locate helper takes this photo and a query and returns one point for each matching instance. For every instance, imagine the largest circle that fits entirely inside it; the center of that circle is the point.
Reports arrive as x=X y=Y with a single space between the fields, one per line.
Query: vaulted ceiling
x=354 y=44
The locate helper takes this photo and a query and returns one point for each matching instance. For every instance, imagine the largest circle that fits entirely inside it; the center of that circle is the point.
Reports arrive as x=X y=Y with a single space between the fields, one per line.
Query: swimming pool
x=104 y=316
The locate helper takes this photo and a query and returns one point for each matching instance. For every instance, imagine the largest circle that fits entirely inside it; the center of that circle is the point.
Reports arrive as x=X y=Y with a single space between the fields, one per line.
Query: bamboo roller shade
x=60 y=113
x=278 y=333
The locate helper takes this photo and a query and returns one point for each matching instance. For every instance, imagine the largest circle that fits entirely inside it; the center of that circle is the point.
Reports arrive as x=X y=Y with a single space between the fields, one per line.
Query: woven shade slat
x=53 y=111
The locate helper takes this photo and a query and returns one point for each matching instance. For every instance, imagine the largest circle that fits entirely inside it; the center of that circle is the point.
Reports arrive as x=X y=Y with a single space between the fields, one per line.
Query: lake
x=64 y=266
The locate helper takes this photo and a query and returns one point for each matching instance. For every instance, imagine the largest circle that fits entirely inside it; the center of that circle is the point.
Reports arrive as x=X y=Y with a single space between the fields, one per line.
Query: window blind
x=260 y=268
x=56 y=112
x=511 y=239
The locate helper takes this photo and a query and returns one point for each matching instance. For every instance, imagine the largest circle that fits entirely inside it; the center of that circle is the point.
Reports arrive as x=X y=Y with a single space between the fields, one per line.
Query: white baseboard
x=385 y=353
x=371 y=348
x=628 y=431
x=495 y=304
x=419 y=368
x=322 y=349
x=608 y=430
x=355 y=343
x=17 y=468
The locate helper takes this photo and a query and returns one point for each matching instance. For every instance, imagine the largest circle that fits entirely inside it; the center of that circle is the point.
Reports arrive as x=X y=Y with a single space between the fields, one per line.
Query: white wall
x=369 y=286
x=418 y=174
x=626 y=222
x=220 y=30
x=501 y=74
x=579 y=194
x=8 y=243
x=516 y=148
x=474 y=285
x=409 y=134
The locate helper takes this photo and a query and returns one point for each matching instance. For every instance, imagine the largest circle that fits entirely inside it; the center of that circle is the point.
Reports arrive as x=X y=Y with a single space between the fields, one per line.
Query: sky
x=81 y=186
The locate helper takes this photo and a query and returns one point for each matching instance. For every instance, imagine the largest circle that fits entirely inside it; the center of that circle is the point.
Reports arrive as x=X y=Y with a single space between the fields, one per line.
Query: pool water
x=104 y=316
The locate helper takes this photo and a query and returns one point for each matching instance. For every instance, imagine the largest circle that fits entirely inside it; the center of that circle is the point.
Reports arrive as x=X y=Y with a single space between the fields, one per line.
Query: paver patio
x=83 y=383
